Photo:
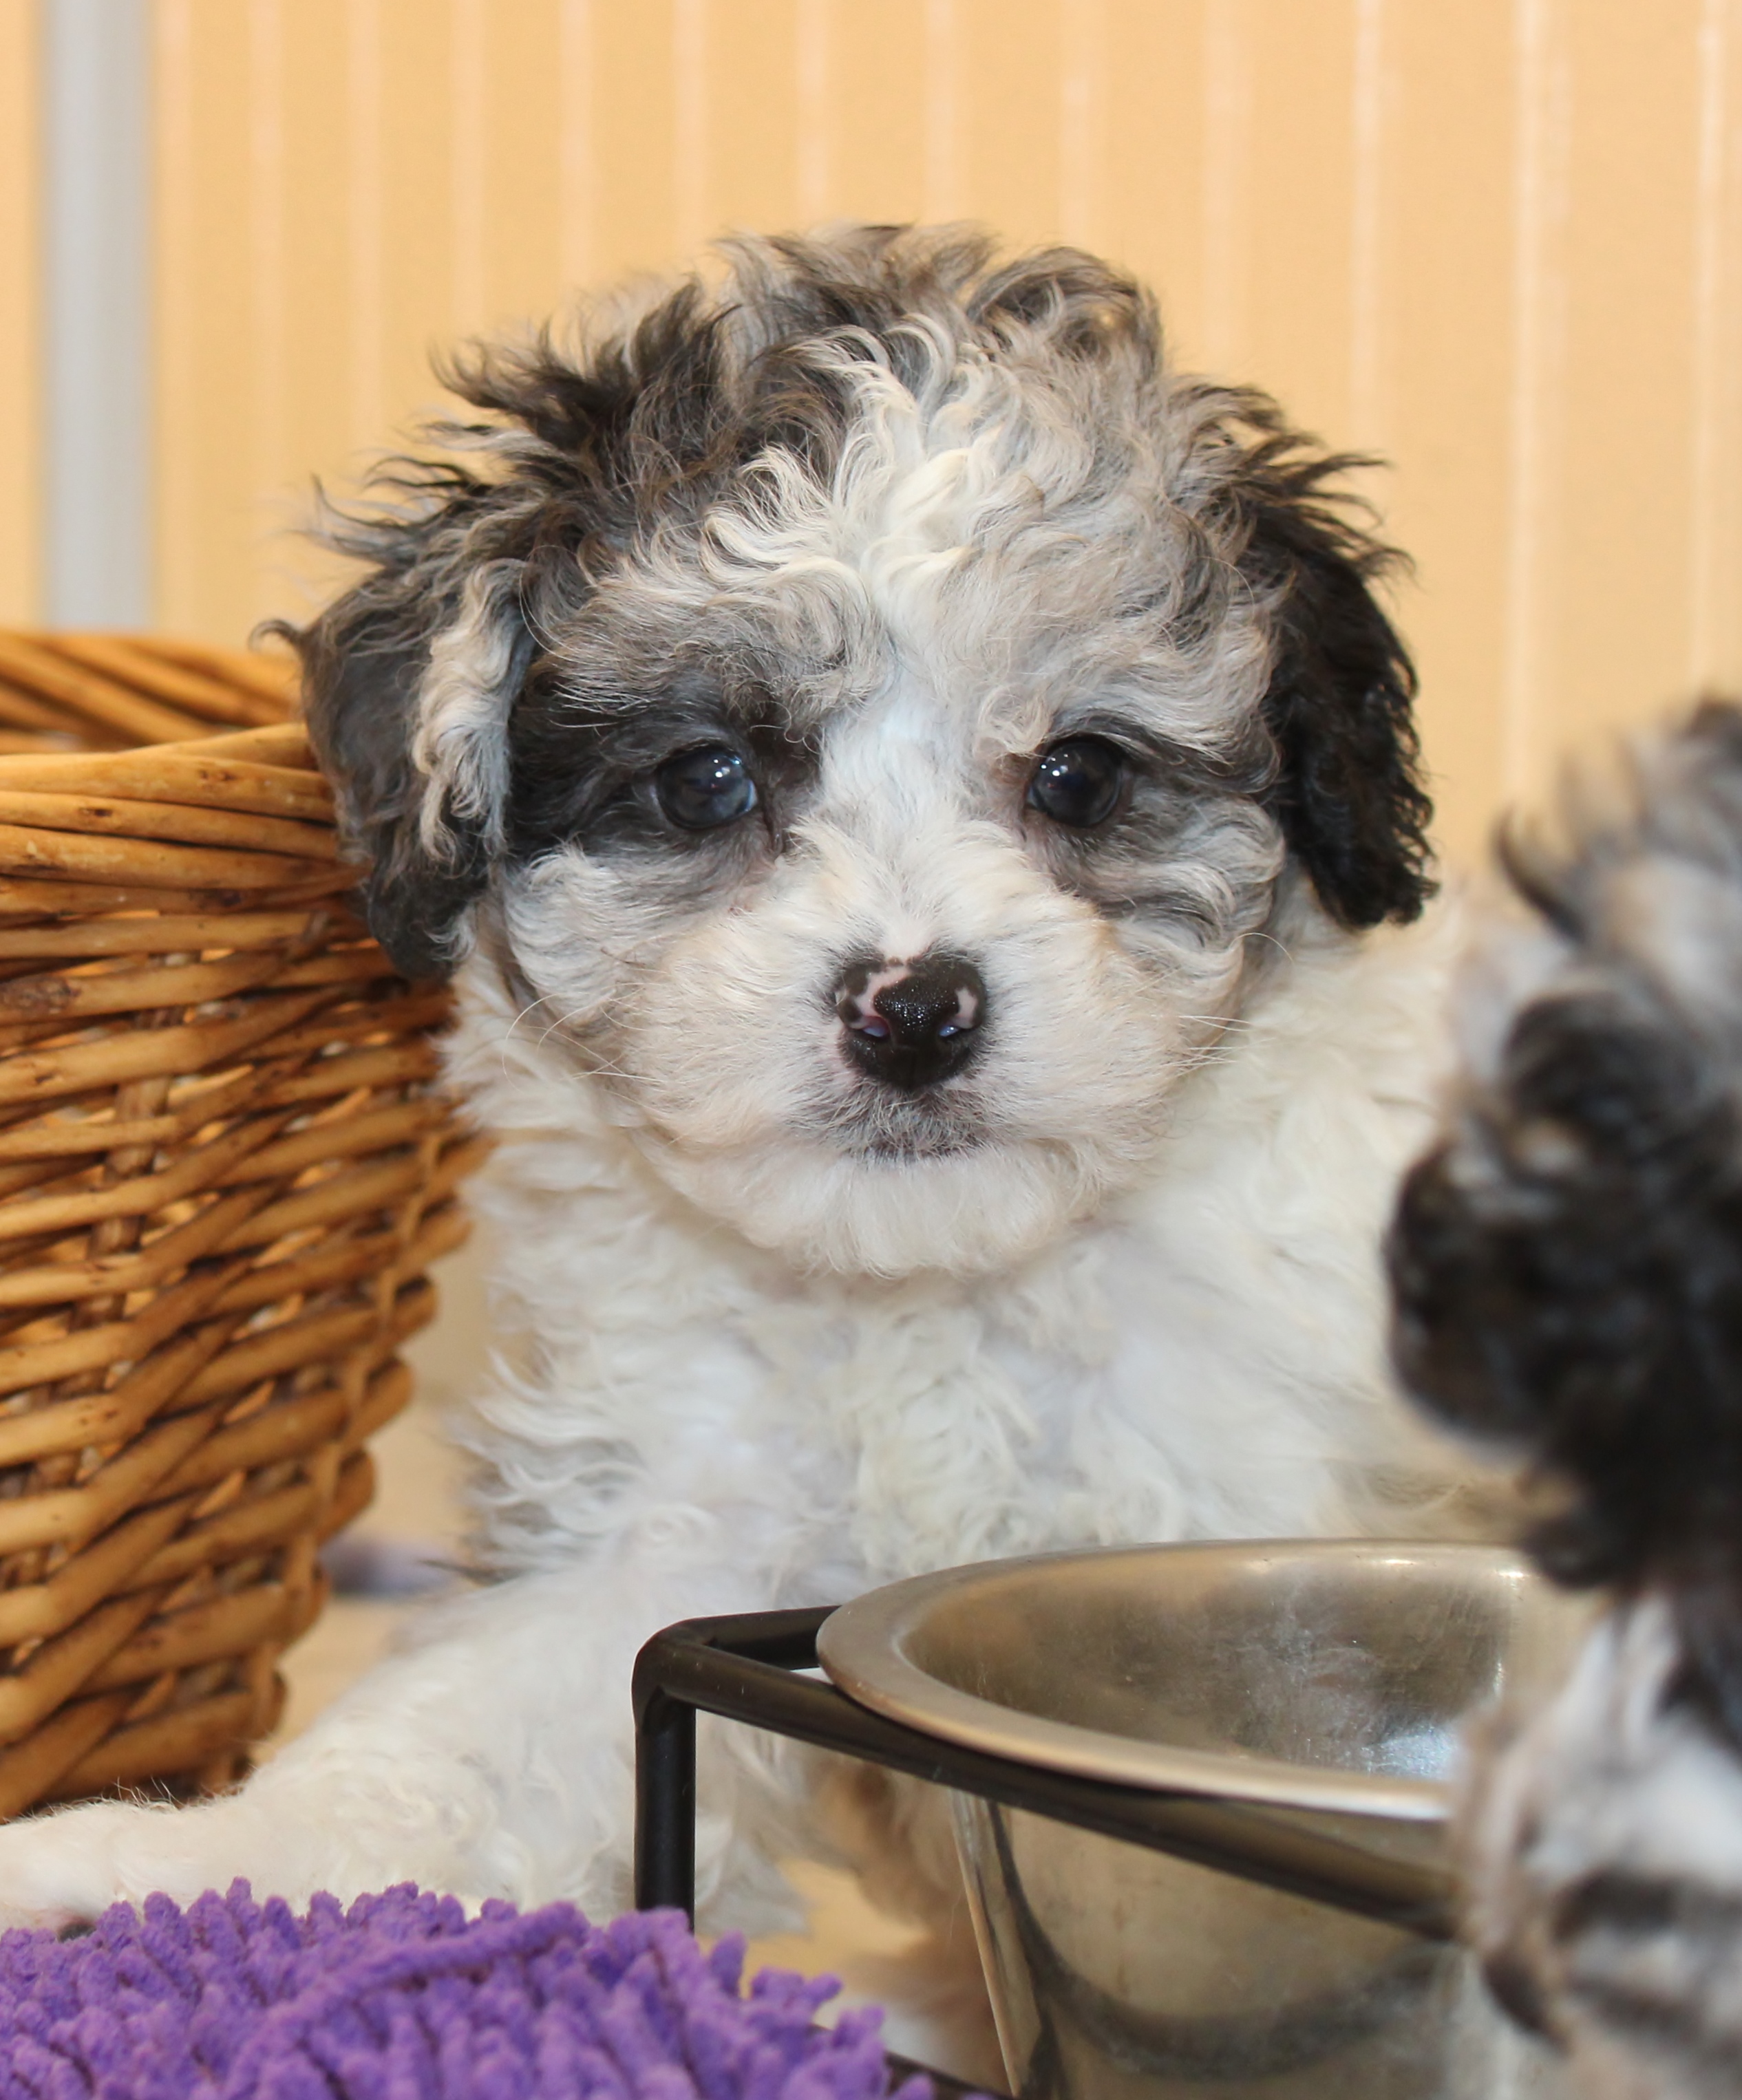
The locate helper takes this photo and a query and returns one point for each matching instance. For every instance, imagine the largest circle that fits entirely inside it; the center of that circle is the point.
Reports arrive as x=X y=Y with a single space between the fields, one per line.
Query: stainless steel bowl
x=1324 y=1685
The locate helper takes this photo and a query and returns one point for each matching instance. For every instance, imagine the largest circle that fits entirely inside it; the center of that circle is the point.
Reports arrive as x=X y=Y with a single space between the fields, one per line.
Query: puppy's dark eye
x=700 y=790
x=1078 y=782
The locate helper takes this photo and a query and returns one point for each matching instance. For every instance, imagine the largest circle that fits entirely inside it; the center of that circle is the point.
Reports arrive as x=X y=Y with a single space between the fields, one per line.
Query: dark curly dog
x=1568 y=1271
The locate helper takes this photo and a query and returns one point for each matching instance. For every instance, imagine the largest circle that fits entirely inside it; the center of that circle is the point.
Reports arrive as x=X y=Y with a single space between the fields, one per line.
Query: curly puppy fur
x=915 y=790
x=1568 y=1270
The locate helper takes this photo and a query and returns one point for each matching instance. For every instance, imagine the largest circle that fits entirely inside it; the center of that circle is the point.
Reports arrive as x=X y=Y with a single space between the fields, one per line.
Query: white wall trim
x=96 y=205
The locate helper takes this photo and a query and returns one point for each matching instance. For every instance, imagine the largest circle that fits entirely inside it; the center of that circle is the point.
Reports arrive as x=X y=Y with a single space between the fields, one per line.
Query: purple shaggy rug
x=402 y=1998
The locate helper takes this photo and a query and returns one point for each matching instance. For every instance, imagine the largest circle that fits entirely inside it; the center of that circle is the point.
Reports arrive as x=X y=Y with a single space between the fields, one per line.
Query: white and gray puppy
x=918 y=789
x=1568 y=1264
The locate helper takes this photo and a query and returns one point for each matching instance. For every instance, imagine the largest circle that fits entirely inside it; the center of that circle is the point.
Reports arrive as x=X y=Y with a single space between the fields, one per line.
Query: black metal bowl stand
x=747 y=1668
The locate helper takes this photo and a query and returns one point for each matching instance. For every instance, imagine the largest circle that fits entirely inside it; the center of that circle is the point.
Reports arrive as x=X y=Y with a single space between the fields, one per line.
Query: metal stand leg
x=664 y=1803
x=686 y=1667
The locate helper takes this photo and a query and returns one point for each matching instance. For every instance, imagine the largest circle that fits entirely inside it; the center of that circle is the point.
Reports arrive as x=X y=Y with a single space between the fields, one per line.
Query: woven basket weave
x=223 y=1173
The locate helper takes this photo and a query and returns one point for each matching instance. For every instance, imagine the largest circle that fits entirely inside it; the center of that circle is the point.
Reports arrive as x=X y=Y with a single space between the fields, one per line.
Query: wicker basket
x=223 y=1173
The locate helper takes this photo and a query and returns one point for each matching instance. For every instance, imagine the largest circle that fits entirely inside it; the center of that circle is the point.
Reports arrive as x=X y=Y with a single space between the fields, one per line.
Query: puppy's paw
x=58 y=1870
x=66 y=1868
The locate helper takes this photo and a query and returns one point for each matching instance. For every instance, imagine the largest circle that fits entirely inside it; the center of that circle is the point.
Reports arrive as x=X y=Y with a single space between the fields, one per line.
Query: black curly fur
x=656 y=422
x=1341 y=703
x=1568 y=1263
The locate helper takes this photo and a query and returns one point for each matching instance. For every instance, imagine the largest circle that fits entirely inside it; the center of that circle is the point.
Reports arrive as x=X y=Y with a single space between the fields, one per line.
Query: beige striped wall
x=1499 y=241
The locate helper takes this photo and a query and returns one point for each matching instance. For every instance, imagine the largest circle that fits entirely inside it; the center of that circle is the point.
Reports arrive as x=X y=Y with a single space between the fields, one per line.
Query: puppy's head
x=867 y=708
x=1568 y=1263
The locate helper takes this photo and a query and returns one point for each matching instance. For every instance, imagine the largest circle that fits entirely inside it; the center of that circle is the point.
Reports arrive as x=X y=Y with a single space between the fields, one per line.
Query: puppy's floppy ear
x=411 y=678
x=407 y=679
x=1348 y=792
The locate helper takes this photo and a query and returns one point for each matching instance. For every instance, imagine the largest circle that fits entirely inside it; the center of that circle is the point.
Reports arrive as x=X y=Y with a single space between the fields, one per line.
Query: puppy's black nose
x=911 y=1024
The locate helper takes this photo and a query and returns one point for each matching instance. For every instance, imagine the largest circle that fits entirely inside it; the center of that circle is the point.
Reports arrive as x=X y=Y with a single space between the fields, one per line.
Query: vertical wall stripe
x=468 y=61
x=176 y=297
x=1715 y=351
x=1543 y=123
x=21 y=496
x=1369 y=98
x=811 y=85
x=367 y=245
x=689 y=141
x=941 y=184
x=1082 y=118
x=578 y=175
x=97 y=312
x=267 y=251
x=1227 y=150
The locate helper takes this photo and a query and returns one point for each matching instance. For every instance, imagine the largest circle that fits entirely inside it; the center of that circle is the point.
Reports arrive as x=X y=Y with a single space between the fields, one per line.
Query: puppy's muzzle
x=911 y=1024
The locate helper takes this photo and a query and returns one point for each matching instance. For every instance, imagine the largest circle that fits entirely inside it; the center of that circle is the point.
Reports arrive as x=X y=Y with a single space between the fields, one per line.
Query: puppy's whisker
x=563 y=1020
x=543 y=1000
x=603 y=1069
x=600 y=1067
x=507 y=1034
